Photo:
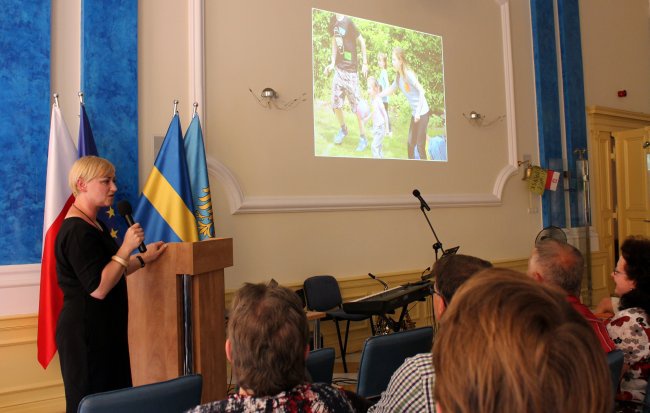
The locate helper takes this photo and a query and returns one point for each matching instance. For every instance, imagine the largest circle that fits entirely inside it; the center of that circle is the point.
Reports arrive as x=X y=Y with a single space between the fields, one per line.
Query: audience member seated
x=268 y=342
x=561 y=265
x=410 y=387
x=509 y=344
x=630 y=326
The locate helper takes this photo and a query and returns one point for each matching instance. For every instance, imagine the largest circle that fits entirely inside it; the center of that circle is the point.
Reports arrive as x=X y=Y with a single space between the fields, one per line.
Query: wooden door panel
x=632 y=182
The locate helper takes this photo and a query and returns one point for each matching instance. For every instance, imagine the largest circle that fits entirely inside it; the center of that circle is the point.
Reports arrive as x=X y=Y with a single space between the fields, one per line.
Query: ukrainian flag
x=165 y=207
x=199 y=181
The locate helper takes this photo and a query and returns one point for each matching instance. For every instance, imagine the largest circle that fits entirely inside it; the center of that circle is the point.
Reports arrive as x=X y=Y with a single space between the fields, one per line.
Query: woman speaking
x=91 y=332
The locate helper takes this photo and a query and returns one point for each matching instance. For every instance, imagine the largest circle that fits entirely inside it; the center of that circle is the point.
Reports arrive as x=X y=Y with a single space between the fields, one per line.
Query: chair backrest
x=172 y=396
x=301 y=294
x=382 y=355
x=615 y=362
x=646 y=402
x=320 y=365
x=322 y=293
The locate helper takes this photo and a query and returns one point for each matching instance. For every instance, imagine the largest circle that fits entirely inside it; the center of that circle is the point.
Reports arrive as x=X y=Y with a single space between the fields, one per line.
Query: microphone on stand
x=437 y=246
x=371 y=275
x=124 y=209
x=423 y=203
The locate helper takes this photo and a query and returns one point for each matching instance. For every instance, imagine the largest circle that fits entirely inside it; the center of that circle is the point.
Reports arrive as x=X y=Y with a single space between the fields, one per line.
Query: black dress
x=91 y=334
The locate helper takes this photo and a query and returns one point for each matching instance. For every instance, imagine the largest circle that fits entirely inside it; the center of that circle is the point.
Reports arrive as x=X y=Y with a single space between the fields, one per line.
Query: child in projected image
x=408 y=83
x=382 y=62
x=379 y=117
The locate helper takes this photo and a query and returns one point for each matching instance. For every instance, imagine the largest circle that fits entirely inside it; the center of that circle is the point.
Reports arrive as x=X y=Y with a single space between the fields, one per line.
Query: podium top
x=194 y=258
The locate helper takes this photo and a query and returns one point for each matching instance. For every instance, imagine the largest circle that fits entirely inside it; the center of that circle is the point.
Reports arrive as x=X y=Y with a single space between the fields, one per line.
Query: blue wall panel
x=109 y=80
x=574 y=98
x=24 y=127
x=548 y=106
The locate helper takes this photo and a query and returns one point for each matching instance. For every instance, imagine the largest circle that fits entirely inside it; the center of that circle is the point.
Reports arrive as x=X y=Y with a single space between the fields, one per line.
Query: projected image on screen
x=378 y=90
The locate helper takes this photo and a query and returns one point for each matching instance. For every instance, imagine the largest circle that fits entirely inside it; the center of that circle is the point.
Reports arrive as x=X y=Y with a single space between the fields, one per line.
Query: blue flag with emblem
x=165 y=206
x=86 y=146
x=199 y=181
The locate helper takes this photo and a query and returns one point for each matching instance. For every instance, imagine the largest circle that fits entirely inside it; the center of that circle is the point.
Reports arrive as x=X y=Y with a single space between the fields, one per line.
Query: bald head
x=557 y=263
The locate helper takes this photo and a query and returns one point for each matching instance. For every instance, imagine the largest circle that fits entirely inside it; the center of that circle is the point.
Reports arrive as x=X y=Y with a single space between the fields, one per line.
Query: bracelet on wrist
x=124 y=263
x=141 y=261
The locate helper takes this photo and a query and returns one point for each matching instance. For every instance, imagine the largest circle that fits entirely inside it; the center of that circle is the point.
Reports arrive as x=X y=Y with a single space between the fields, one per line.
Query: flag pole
x=188 y=339
x=196 y=106
x=56 y=99
x=81 y=97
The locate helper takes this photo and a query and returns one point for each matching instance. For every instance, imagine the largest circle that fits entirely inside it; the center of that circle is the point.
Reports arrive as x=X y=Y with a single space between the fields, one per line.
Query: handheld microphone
x=125 y=210
x=423 y=203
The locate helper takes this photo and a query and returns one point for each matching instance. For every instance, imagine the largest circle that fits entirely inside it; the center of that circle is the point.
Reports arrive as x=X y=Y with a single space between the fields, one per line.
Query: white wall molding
x=239 y=204
x=196 y=57
x=509 y=81
x=27 y=275
x=19 y=289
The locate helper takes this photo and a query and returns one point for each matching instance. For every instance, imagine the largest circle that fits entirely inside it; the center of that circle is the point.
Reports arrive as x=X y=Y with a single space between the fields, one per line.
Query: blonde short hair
x=507 y=343
x=88 y=168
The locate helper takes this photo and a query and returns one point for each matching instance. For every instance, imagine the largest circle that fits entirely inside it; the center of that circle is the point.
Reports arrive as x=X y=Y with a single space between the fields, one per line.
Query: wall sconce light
x=269 y=98
x=269 y=93
x=528 y=170
x=474 y=116
x=478 y=119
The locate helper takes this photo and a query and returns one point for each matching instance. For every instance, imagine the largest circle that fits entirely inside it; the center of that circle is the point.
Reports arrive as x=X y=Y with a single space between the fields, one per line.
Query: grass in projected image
x=394 y=145
x=378 y=90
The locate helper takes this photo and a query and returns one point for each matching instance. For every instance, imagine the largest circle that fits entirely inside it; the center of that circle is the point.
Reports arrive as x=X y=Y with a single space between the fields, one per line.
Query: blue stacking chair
x=646 y=402
x=320 y=365
x=171 y=396
x=383 y=355
x=615 y=363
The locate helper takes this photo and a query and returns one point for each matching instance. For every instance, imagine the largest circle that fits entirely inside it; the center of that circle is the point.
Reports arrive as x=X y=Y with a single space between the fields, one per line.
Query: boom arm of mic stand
x=438 y=245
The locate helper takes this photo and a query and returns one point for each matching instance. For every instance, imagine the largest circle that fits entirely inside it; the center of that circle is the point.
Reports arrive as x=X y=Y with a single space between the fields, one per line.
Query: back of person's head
x=558 y=263
x=451 y=271
x=636 y=252
x=269 y=334
x=510 y=344
x=88 y=168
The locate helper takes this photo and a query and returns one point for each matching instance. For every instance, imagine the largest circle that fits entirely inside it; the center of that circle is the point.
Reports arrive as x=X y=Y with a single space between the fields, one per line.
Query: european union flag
x=165 y=206
x=199 y=181
x=86 y=146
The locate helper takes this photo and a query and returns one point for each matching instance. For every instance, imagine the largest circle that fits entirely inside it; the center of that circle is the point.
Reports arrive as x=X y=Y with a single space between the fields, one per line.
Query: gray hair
x=561 y=264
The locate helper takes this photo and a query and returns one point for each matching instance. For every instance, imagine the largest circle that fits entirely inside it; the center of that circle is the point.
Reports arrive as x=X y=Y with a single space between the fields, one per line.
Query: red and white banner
x=62 y=153
x=552 y=179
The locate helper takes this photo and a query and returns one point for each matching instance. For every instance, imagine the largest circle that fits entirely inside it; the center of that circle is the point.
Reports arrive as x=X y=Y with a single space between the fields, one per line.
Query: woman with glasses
x=630 y=326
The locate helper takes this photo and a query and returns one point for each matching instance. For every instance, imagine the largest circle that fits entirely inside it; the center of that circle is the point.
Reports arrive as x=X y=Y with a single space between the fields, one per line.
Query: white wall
x=616 y=53
x=271 y=152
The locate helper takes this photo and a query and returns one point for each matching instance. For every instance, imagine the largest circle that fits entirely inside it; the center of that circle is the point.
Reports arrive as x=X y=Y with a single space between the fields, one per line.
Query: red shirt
x=599 y=327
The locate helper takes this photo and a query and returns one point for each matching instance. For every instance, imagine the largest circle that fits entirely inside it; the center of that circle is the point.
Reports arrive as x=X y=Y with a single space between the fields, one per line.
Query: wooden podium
x=156 y=326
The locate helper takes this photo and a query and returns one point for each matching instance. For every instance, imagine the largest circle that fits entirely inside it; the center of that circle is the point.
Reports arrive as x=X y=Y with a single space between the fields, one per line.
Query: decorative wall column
x=551 y=123
x=24 y=127
x=109 y=80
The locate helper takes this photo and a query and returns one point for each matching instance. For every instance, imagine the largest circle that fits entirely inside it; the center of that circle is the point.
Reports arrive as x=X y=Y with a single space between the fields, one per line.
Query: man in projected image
x=345 y=36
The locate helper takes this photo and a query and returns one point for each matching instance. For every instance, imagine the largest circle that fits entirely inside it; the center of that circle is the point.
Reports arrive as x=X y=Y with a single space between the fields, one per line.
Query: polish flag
x=58 y=198
x=552 y=179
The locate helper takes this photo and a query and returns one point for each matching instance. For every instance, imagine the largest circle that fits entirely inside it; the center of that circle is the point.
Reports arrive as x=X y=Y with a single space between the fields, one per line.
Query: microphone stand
x=437 y=246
